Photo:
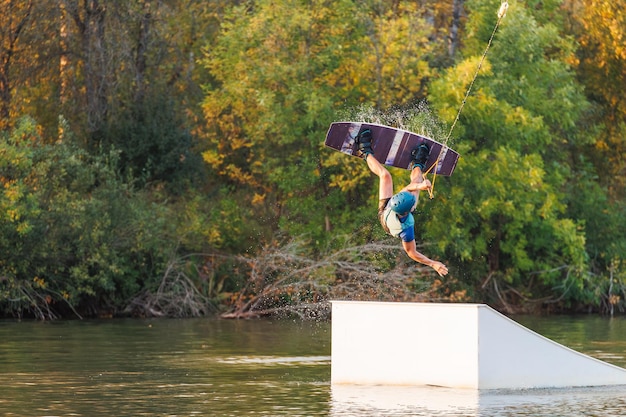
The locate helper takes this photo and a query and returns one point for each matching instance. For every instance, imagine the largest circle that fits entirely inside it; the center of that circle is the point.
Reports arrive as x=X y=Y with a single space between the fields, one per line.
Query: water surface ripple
x=210 y=367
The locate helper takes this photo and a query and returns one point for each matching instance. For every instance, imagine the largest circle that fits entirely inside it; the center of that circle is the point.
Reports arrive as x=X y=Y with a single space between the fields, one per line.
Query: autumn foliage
x=166 y=158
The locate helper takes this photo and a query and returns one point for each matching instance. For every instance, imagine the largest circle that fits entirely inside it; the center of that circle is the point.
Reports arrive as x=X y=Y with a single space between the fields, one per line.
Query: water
x=209 y=367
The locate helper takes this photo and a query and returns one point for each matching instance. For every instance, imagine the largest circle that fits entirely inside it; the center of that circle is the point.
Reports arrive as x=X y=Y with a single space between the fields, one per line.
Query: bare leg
x=385 y=189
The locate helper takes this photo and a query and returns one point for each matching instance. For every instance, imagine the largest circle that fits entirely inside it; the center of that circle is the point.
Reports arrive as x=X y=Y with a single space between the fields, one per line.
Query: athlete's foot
x=419 y=156
x=364 y=140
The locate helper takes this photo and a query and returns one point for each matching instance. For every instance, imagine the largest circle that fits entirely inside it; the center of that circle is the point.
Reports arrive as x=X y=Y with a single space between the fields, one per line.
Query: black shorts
x=382 y=205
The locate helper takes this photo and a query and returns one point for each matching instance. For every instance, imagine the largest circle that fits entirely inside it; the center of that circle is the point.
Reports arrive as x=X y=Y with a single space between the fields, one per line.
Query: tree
x=599 y=28
x=89 y=18
x=15 y=16
x=506 y=222
x=75 y=236
x=282 y=70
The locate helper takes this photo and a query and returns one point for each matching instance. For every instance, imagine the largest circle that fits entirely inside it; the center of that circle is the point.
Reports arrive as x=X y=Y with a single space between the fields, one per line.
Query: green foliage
x=74 y=233
x=601 y=58
x=153 y=145
x=509 y=226
x=301 y=60
x=512 y=234
x=534 y=212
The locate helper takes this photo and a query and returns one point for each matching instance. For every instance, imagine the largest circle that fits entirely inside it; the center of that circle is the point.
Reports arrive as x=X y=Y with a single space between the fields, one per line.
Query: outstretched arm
x=411 y=250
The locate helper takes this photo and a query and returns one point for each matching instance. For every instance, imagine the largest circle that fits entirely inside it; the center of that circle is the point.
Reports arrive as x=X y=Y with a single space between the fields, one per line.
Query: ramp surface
x=452 y=345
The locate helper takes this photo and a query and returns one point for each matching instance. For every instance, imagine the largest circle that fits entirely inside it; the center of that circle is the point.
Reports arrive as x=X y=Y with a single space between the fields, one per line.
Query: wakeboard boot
x=419 y=156
x=364 y=140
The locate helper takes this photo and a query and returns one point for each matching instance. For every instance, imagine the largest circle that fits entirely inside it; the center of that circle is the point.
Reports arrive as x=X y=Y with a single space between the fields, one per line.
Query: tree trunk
x=13 y=19
x=91 y=29
x=457 y=11
x=140 y=54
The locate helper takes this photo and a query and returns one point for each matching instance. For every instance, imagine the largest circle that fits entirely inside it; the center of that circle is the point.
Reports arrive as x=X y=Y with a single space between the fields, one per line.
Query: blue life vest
x=397 y=226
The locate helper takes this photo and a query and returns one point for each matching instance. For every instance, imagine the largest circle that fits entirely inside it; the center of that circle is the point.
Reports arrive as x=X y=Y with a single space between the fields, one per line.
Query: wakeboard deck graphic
x=391 y=146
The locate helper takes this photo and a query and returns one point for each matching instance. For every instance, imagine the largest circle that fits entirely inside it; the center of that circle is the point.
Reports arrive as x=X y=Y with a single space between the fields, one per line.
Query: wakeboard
x=391 y=146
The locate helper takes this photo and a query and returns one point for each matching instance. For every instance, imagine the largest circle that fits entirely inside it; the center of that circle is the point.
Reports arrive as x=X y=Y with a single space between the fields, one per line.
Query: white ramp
x=452 y=345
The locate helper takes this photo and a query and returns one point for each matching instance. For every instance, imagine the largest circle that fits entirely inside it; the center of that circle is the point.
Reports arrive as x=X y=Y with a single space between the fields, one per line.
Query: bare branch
x=283 y=282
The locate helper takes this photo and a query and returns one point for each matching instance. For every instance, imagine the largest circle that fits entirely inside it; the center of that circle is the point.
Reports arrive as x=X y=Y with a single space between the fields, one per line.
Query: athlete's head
x=402 y=203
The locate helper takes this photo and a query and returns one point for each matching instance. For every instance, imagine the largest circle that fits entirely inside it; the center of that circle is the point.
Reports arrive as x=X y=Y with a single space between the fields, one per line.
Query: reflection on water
x=439 y=401
x=281 y=361
x=249 y=368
